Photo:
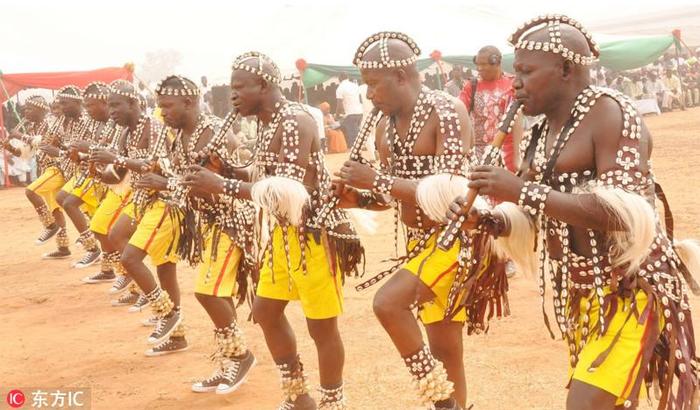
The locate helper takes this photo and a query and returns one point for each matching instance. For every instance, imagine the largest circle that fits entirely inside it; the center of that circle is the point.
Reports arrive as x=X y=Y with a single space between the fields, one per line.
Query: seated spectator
x=334 y=136
x=656 y=88
x=674 y=95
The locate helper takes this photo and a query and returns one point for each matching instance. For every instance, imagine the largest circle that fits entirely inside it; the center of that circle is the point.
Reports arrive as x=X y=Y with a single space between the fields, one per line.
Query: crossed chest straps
x=131 y=145
x=183 y=156
x=626 y=174
x=283 y=162
x=33 y=129
x=573 y=270
x=268 y=162
x=403 y=163
x=69 y=131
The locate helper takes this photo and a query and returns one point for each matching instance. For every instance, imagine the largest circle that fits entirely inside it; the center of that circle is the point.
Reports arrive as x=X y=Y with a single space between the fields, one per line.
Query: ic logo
x=15 y=398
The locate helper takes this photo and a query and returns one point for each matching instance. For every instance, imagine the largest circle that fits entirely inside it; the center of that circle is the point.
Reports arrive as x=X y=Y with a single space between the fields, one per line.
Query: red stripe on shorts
x=153 y=234
x=450 y=269
x=119 y=210
x=223 y=269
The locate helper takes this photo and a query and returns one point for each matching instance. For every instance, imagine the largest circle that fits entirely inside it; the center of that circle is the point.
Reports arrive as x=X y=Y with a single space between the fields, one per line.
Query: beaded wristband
x=173 y=184
x=232 y=187
x=120 y=161
x=382 y=184
x=533 y=197
x=366 y=198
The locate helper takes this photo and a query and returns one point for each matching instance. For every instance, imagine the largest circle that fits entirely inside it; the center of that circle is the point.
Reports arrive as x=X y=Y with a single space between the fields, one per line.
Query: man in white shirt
x=348 y=95
x=658 y=89
x=205 y=103
x=366 y=110
x=675 y=91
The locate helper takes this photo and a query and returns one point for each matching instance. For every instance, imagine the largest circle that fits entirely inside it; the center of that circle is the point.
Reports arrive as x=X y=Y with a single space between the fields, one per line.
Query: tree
x=157 y=64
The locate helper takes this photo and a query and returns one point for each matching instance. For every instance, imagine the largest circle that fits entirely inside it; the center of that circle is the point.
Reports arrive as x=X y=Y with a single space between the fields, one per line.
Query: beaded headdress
x=38 y=102
x=71 y=92
x=553 y=23
x=124 y=88
x=96 y=90
x=386 y=61
x=243 y=62
x=187 y=87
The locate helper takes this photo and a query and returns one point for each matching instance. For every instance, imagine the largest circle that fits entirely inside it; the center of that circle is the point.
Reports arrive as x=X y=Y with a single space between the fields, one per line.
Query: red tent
x=11 y=84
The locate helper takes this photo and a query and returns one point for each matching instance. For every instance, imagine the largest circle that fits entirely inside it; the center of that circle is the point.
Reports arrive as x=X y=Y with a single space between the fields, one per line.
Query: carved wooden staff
x=449 y=235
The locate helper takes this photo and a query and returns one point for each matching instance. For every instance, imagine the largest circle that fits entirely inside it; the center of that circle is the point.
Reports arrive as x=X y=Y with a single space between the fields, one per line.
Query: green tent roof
x=616 y=55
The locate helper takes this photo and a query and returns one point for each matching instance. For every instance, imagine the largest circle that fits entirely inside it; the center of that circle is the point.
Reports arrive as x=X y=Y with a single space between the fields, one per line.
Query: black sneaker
x=61 y=253
x=166 y=325
x=140 y=304
x=303 y=402
x=126 y=299
x=100 y=277
x=452 y=405
x=88 y=259
x=210 y=384
x=235 y=373
x=172 y=345
x=46 y=234
x=120 y=284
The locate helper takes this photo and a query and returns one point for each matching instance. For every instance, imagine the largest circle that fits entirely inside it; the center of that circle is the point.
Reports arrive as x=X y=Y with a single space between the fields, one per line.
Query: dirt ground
x=58 y=333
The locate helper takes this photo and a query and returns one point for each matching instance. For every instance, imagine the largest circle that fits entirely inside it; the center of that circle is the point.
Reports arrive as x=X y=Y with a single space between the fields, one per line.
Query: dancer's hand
x=73 y=154
x=145 y=166
x=348 y=196
x=457 y=209
x=82 y=146
x=214 y=163
x=203 y=181
x=153 y=182
x=496 y=182
x=103 y=156
x=357 y=175
x=50 y=150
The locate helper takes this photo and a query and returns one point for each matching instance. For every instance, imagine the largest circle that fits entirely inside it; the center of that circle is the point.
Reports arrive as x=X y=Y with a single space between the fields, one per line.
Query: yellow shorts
x=130 y=210
x=218 y=277
x=319 y=290
x=157 y=234
x=108 y=212
x=87 y=192
x=436 y=269
x=618 y=371
x=47 y=186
